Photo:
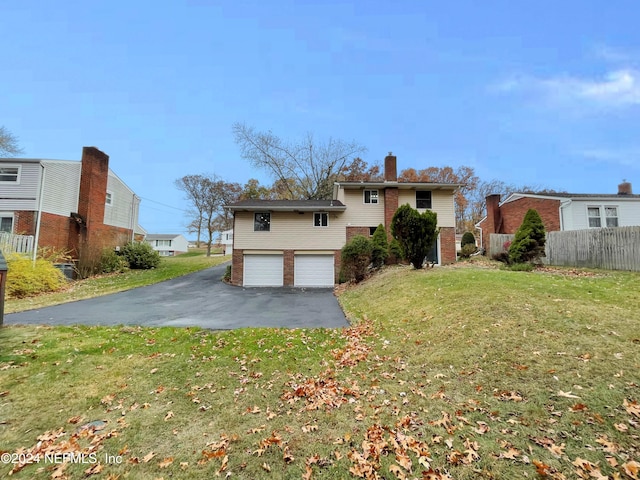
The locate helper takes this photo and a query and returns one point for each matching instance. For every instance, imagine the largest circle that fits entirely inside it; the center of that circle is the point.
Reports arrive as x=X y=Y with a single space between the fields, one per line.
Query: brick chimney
x=625 y=188
x=94 y=174
x=390 y=168
x=494 y=219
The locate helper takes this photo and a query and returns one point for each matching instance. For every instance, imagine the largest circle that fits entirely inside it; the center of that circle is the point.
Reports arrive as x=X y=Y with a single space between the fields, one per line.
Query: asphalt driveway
x=198 y=299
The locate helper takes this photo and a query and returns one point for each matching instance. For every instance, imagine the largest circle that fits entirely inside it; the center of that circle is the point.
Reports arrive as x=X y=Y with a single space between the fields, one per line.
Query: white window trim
x=107 y=196
x=602 y=214
x=314 y=220
x=9 y=215
x=370 y=202
x=12 y=165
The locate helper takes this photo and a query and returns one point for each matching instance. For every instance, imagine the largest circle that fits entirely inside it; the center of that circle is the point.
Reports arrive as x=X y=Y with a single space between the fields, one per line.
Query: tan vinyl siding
x=289 y=231
x=22 y=195
x=360 y=214
x=61 y=187
x=441 y=203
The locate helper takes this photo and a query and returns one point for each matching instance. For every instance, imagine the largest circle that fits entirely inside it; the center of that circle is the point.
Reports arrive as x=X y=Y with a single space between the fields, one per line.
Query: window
x=423 y=199
x=372 y=230
x=262 y=222
x=109 y=198
x=611 y=215
x=10 y=174
x=163 y=243
x=371 y=196
x=596 y=218
x=6 y=223
x=320 y=219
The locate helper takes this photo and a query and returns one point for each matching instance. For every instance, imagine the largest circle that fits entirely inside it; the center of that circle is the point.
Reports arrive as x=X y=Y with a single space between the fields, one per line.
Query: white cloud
x=618 y=88
x=626 y=157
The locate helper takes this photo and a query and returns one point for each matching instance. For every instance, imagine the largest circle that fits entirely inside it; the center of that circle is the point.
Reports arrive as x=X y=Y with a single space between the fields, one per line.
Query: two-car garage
x=310 y=269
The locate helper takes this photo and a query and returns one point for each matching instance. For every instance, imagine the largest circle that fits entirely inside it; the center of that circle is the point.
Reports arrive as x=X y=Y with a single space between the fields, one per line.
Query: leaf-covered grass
x=460 y=372
x=170 y=267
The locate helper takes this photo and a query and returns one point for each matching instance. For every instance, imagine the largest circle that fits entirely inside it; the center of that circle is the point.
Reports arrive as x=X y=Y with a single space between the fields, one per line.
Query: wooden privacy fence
x=609 y=248
x=10 y=242
x=497 y=241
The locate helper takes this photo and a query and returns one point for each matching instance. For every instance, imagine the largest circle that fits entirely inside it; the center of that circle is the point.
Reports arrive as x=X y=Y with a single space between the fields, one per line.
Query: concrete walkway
x=198 y=299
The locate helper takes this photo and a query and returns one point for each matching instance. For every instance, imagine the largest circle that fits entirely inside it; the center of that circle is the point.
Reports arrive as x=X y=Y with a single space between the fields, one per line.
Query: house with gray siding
x=76 y=206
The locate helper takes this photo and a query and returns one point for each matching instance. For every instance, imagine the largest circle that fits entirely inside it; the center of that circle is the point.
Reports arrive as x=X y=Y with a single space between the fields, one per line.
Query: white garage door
x=263 y=271
x=313 y=271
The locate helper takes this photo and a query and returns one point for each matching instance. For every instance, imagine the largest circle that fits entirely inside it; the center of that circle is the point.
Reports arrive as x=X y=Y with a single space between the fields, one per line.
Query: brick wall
x=390 y=207
x=508 y=217
x=337 y=264
x=447 y=245
x=24 y=222
x=289 y=267
x=353 y=231
x=237 y=267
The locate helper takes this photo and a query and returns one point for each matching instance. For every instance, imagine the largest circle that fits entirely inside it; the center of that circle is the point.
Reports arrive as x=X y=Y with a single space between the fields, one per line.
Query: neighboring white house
x=226 y=240
x=168 y=245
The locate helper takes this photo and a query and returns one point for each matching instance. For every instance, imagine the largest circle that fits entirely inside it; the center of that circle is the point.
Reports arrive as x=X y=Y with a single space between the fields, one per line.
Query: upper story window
x=262 y=222
x=320 y=219
x=371 y=196
x=10 y=174
x=423 y=199
x=163 y=243
x=602 y=216
x=109 y=198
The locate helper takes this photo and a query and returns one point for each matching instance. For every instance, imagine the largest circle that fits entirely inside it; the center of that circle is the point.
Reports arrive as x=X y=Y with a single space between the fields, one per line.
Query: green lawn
x=459 y=372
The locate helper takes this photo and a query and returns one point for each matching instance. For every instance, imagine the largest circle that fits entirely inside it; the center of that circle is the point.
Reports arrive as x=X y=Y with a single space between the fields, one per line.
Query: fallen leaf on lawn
x=578 y=407
x=148 y=457
x=166 y=462
x=266 y=467
x=75 y=420
x=184 y=465
x=153 y=370
x=168 y=416
x=633 y=408
x=632 y=468
x=108 y=399
x=225 y=464
x=287 y=456
x=397 y=471
x=94 y=469
x=566 y=394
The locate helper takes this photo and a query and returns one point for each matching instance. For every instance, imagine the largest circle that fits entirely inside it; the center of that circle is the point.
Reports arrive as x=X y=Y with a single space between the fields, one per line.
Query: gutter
x=563 y=204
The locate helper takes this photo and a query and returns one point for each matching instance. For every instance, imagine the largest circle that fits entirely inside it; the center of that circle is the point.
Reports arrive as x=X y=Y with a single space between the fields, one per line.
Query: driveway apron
x=199 y=299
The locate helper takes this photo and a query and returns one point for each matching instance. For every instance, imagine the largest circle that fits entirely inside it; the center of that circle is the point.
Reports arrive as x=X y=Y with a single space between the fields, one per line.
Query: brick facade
x=447 y=245
x=289 y=267
x=237 y=267
x=86 y=237
x=508 y=217
x=353 y=231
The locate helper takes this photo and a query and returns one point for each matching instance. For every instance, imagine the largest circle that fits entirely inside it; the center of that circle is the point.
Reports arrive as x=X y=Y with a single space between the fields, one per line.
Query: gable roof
x=570 y=196
x=287 y=205
x=162 y=236
x=401 y=185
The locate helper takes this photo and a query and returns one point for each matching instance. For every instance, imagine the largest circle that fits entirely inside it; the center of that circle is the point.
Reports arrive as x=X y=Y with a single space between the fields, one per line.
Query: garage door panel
x=314 y=271
x=263 y=271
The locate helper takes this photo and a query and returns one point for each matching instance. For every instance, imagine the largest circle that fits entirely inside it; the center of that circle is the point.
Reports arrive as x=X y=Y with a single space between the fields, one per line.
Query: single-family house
x=298 y=242
x=561 y=211
x=77 y=206
x=168 y=245
x=226 y=240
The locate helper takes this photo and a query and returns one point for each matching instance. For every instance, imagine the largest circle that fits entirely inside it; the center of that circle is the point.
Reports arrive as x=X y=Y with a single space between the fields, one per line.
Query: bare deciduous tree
x=208 y=195
x=8 y=143
x=303 y=169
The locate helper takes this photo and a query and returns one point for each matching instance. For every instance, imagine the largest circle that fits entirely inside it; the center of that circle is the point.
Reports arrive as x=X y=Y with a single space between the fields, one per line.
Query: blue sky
x=541 y=93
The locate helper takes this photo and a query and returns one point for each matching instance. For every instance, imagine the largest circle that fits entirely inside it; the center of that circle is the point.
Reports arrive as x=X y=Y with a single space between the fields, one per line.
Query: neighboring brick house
x=561 y=211
x=168 y=245
x=79 y=206
x=298 y=242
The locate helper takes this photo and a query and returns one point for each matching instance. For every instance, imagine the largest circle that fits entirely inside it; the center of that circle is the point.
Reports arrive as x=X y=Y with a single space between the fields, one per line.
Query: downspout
x=134 y=210
x=563 y=204
x=39 y=218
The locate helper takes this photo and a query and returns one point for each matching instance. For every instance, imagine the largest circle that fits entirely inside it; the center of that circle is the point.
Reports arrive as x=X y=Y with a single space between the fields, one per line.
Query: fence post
x=3 y=280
